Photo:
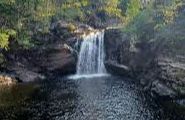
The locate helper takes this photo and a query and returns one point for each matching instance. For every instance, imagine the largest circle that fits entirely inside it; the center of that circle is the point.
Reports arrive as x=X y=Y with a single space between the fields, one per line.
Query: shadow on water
x=95 y=98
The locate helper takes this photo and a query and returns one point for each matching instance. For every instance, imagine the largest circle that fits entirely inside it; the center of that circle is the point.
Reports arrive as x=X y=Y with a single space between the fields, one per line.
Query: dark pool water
x=97 y=98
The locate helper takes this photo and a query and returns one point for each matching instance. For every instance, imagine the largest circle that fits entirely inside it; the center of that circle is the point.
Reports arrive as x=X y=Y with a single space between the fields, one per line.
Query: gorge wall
x=158 y=69
x=158 y=66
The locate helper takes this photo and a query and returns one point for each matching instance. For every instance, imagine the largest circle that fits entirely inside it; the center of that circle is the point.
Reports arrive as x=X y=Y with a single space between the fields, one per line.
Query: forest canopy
x=20 y=19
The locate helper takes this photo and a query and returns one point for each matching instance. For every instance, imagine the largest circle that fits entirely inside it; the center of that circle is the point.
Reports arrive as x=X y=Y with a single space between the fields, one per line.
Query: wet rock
x=63 y=60
x=56 y=55
x=101 y=20
x=83 y=28
x=172 y=72
x=113 y=42
x=160 y=71
x=161 y=90
x=62 y=29
x=25 y=75
x=116 y=68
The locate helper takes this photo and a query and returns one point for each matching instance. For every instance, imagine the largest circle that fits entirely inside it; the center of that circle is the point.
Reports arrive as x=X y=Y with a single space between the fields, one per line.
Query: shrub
x=2 y=59
x=133 y=10
x=4 y=37
x=71 y=27
x=4 y=40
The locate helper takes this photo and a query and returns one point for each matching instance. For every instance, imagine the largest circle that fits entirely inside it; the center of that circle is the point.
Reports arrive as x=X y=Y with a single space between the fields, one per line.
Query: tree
x=133 y=9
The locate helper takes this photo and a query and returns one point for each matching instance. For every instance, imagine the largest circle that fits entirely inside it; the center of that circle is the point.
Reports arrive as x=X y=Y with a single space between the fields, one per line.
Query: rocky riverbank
x=56 y=54
x=159 y=71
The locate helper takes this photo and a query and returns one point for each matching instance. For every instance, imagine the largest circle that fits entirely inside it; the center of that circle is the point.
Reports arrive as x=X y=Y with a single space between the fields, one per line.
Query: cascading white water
x=91 y=56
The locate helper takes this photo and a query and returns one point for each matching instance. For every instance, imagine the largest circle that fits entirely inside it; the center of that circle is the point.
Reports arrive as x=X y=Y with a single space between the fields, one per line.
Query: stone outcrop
x=56 y=54
x=158 y=69
x=119 y=69
x=59 y=59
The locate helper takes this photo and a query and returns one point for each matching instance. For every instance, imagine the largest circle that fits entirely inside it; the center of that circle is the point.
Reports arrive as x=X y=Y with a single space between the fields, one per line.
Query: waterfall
x=91 y=55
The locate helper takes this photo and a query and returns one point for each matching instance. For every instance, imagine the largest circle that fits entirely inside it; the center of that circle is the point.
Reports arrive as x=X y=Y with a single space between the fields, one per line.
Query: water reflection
x=95 y=98
x=16 y=94
x=109 y=98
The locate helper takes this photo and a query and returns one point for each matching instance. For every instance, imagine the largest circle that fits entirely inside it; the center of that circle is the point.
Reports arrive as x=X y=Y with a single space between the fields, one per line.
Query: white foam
x=87 y=76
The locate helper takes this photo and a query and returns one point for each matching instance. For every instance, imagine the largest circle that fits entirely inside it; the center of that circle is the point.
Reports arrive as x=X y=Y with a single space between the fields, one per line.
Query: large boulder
x=35 y=64
x=60 y=58
x=162 y=90
x=122 y=50
x=119 y=69
x=62 y=29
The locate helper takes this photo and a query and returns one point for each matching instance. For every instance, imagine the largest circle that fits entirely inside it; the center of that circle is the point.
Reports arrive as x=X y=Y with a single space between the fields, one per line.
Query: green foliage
x=111 y=7
x=25 y=40
x=173 y=37
x=133 y=9
x=7 y=1
x=4 y=37
x=166 y=11
x=27 y=17
x=2 y=59
x=142 y=26
x=71 y=14
x=123 y=6
x=4 y=40
x=71 y=27
x=145 y=23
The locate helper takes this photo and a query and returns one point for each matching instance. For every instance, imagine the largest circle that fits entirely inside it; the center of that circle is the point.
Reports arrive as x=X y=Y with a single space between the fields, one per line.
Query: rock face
x=56 y=54
x=60 y=59
x=96 y=20
x=119 y=69
x=158 y=69
x=33 y=65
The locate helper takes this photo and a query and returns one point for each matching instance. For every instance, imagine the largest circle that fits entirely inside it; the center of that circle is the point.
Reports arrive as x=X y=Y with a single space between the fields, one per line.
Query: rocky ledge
x=56 y=53
x=161 y=72
x=120 y=69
